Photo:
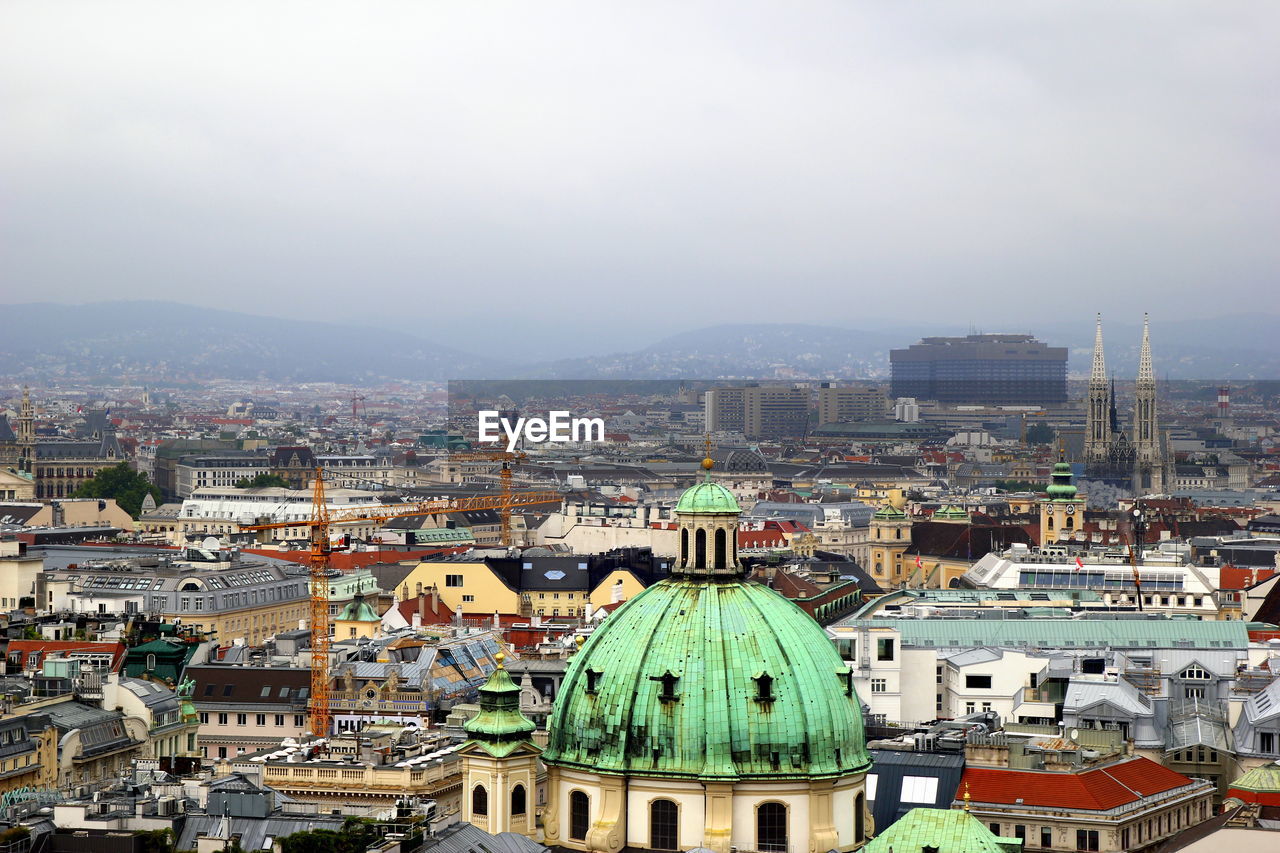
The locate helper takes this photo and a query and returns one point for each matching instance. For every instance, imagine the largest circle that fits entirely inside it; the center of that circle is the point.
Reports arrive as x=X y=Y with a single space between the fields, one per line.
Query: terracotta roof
x=65 y=647
x=1099 y=789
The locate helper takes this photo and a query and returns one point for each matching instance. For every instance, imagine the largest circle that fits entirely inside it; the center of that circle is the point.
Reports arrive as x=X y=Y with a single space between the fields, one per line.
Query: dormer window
x=669 y=682
x=764 y=687
x=593 y=680
x=846 y=677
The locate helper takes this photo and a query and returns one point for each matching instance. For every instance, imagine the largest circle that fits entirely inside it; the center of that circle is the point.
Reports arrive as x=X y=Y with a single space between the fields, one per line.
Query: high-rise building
x=850 y=403
x=981 y=369
x=759 y=411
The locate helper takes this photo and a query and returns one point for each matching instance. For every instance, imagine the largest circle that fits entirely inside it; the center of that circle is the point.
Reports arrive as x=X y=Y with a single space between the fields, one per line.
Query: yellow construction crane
x=322 y=518
x=504 y=477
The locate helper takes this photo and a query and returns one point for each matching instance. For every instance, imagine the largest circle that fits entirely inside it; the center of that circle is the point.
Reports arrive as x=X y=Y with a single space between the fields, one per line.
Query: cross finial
x=966 y=796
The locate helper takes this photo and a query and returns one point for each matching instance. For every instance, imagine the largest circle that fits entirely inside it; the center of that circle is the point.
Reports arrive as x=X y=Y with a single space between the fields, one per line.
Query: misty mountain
x=170 y=340
x=166 y=339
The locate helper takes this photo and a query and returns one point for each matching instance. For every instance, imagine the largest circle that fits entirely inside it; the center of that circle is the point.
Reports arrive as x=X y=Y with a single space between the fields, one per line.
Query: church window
x=669 y=682
x=1050 y=519
x=859 y=825
x=517 y=800
x=663 y=823
x=700 y=549
x=479 y=800
x=1071 y=522
x=720 y=549
x=579 y=815
x=771 y=828
x=684 y=547
x=897 y=533
x=764 y=687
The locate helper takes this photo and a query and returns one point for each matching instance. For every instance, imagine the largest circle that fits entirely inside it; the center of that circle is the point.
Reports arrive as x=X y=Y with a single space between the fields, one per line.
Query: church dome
x=1062 y=488
x=708 y=498
x=709 y=679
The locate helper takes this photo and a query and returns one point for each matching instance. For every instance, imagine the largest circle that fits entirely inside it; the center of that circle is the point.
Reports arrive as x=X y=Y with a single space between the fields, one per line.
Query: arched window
x=771 y=828
x=684 y=546
x=700 y=549
x=517 y=800
x=897 y=533
x=1071 y=523
x=1051 y=522
x=859 y=829
x=579 y=815
x=663 y=825
x=151 y=662
x=720 y=548
x=479 y=801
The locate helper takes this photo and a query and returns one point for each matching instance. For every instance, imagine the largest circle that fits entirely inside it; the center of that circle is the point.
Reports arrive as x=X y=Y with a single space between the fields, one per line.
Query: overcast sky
x=591 y=164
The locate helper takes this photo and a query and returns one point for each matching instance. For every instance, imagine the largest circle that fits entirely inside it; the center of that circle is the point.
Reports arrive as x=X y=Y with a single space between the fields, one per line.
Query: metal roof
x=1063 y=633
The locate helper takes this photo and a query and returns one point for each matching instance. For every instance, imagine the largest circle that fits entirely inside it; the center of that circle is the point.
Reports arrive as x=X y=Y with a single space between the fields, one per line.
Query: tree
x=127 y=486
x=354 y=837
x=262 y=481
x=1041 y=433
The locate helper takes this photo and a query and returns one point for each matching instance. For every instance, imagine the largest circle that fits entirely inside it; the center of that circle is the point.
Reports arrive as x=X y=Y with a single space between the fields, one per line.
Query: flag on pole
x=919 y=564
x=1079 y=564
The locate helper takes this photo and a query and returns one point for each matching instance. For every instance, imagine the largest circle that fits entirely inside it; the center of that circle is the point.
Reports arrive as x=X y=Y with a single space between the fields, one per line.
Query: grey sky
x=677 y=164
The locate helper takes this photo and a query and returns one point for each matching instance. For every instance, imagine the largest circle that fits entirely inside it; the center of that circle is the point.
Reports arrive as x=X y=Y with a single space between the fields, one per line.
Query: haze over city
x=562 y=166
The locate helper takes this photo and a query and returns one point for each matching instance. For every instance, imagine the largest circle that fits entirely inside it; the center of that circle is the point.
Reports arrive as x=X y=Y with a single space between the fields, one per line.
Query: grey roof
x=1080 y=633
x=76 y=715
x=1197 y=730
x=465 y=838
x=155 y=696
x=1122 y=695
x=1263 y=705
x=890 y=766
x=253 y=831
x=6 y=431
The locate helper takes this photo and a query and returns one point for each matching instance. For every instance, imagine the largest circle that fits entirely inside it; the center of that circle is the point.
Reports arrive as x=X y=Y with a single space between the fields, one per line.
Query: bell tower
x=500 y=761
x=26 y=433
x=1062 y=510
x=708 y=530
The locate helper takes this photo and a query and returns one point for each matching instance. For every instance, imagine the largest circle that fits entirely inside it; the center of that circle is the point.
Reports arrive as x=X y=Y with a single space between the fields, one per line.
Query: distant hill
x=164 y=339
x=171 y=340
x=762 y=350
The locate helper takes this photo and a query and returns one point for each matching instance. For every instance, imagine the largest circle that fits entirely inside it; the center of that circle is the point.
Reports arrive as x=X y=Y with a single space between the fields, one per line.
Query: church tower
x=1062 y=510
x=26 y=433
x=500 y=761
x=1099 y=402
x=1148 y=449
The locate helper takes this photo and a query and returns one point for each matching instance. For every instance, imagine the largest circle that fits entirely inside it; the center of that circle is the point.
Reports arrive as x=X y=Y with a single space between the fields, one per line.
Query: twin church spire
x=1105 y=443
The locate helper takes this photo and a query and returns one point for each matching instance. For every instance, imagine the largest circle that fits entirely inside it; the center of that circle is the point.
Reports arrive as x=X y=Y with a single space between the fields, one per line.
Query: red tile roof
x=65 y=647
x=1098 y=789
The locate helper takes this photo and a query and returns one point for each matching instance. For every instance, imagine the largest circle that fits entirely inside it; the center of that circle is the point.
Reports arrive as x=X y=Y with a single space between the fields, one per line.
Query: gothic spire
x=1146 y=375
x=1098 y=376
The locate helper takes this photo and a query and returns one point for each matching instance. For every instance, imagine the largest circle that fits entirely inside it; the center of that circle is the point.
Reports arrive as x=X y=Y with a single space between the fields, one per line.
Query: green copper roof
x=708 y=498
x=710 y=680
x=1263 y=779
x=500 y=727
x=358 y=610
x=890 y=511
x=1062 y=488
x=947 y=831
x=951 y=513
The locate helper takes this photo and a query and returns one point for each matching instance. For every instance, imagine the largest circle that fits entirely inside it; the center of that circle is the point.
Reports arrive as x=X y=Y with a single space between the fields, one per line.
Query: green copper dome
x=708 y=498
x=708 y=680
x=951 y=513
x=358 y=610
x=1062 y=488
x=890 y=511
x=501 y=727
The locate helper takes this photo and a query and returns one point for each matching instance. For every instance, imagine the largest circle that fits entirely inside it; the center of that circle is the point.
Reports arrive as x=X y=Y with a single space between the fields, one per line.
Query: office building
x=981 y=369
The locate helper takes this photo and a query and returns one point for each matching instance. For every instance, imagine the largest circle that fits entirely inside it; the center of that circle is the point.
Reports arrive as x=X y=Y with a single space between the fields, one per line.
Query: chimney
x=435 y=600
x=422 y=605
x=417 y=620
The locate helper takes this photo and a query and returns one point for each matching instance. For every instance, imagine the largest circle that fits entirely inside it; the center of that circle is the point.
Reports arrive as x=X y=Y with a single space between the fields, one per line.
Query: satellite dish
x=1075 y=734
x=211 y=543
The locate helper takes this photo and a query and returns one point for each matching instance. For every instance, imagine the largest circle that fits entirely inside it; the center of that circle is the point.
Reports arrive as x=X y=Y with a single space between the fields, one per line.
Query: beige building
x=851 y=403
x=15 y=486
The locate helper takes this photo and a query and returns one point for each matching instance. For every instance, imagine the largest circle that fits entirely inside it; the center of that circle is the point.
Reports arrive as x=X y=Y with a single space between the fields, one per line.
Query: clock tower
x=1062 y=510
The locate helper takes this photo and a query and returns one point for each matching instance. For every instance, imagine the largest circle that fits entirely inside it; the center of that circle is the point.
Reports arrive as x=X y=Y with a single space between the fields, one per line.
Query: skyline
x=565 y=167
